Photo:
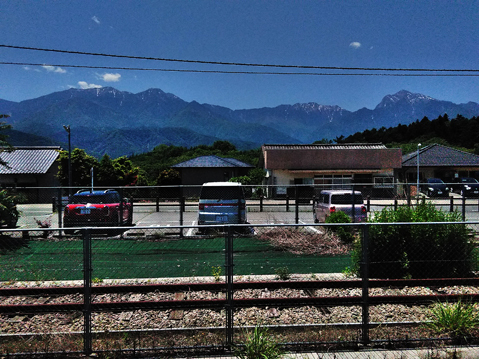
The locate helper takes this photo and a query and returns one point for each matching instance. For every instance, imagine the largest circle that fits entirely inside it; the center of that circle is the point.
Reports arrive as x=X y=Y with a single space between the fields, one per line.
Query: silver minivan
x=331 y=201
x=221 y=203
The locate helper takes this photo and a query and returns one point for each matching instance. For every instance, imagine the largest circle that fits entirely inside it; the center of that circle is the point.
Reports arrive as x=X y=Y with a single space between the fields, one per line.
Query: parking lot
x=271 y=212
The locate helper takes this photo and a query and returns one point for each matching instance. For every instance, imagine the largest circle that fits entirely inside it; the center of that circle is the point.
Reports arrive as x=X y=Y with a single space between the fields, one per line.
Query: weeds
x=456 y=320
x=259 y=345
x=216 y=272
x=282 y=273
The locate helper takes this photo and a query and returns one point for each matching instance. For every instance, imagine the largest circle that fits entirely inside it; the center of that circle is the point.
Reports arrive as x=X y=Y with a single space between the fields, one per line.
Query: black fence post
x=365 y=285
x=408 y=195
x=287 y=203
x=182 y=204
x=261 y=203
x=229 y=288
x=120 y=219
x=354 y=204
x=463 y=208
x=314 y=202
x=87 y=269
x=59 y=208
x=395 y=204
x=368 y=203
x=157 y=204
x=296 y=206
x=451 y=204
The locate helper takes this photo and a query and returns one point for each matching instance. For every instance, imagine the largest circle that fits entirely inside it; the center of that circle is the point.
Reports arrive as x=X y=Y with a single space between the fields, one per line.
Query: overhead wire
x=230 y=72
x=374 y=69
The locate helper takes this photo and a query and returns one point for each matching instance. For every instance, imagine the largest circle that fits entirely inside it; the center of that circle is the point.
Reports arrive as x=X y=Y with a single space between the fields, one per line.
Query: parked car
x=331 y=201
x=466 y=186
x=221 y=203
x=434 y=187
x=101 y=208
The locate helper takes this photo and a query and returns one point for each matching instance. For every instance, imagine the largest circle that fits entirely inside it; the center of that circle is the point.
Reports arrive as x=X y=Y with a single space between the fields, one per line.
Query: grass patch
x=118 y=258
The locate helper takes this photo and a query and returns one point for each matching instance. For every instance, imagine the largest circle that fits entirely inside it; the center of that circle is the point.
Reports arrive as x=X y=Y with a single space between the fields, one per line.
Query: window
x=383 y=182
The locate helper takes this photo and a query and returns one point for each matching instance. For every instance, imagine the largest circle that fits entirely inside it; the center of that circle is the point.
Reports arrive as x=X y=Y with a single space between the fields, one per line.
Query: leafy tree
x=4 y=145
x=168 y=177
x=81 y=164
x=224 y=146
x=107 y=172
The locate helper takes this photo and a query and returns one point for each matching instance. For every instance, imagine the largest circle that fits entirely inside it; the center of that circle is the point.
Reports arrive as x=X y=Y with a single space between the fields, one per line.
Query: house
x=373 y=167
x=439 y=161
x=32 y=171
x=203 y=169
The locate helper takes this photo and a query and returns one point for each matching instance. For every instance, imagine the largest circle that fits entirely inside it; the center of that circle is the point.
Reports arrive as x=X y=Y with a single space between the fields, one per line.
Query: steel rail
x=334 y=301
x=220 y=286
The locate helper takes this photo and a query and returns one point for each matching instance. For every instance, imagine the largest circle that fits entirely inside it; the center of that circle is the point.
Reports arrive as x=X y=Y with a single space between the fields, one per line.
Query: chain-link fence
x=164 y=285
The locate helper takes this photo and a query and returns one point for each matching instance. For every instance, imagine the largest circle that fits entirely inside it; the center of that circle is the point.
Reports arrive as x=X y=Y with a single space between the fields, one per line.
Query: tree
x=82 y=163
x=224 y=146
x=5 y=146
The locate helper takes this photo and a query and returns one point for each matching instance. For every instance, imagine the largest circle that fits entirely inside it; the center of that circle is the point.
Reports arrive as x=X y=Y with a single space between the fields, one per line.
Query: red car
x=101 y=208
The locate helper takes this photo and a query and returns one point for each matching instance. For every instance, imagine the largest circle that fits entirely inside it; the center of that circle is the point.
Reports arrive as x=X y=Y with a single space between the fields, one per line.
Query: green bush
x=345 y=233
x=418 y=251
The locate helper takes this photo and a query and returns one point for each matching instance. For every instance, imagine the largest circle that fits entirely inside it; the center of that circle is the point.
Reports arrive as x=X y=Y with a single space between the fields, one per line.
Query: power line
x=235 y=63
x=236 y=72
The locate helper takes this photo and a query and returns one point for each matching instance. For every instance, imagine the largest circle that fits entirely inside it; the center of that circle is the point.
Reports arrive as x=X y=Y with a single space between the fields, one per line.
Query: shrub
x=418 y=251
x=8 y=210
x=345 y=233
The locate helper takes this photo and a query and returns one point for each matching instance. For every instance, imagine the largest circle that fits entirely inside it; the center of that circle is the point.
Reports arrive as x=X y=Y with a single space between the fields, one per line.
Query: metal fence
x=162 y=287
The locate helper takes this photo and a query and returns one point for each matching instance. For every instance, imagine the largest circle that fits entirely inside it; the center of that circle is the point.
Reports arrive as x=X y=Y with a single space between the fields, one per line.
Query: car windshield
x=94 y=198
x=435 y=180
x=468 y=180
x=346 y=199
x=221 y=192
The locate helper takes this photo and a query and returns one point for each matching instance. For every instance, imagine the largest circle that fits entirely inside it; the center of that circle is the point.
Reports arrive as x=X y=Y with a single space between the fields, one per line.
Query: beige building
x=371 y=167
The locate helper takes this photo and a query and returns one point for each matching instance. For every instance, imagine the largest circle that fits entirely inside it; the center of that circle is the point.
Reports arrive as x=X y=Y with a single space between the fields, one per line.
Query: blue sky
x=408 y=34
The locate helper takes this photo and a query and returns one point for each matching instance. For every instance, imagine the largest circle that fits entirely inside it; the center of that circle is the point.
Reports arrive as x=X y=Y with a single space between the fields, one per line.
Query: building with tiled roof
x=210 y=169
x=325 y=166
x=439 y=161
x=31 y=170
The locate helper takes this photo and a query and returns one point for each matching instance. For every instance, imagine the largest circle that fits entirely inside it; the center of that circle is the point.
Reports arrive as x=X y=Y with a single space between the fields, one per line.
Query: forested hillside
x=459 y=132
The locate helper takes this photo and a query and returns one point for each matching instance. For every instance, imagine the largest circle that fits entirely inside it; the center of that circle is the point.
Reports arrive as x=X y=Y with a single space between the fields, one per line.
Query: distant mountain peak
x=402 y=96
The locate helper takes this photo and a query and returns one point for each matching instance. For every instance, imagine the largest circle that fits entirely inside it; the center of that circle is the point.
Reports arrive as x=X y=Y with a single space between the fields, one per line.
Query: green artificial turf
x=120 y=258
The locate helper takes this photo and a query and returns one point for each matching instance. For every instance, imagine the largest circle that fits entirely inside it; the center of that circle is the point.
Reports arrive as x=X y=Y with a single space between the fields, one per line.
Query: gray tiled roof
x=29 y=160
x=439 y=155
x=212 y=161
x=326 y=146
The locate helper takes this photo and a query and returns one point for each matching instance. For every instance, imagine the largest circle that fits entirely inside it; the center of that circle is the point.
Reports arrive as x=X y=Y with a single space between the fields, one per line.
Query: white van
x=331 y=201
x=221 y=203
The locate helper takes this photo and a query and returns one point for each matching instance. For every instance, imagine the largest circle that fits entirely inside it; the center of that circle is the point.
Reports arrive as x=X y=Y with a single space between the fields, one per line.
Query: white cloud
x=84 y=85
x=110 y=77
x=96 y=19
x=58 y=70
x=355 y=45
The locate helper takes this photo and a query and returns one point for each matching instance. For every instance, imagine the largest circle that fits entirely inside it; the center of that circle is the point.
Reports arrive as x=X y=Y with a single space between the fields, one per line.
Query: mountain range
x=106 y=120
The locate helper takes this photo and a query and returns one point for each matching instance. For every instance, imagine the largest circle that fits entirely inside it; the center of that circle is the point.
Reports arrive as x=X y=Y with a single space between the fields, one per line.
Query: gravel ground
x=156 y=319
